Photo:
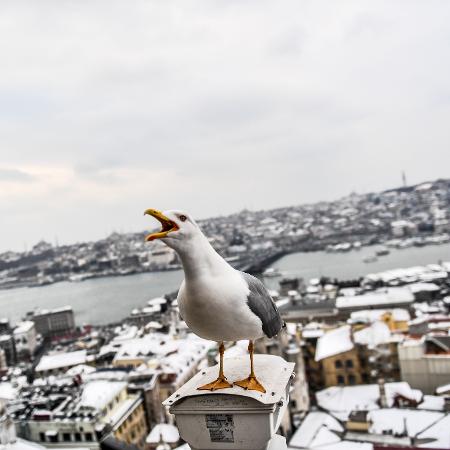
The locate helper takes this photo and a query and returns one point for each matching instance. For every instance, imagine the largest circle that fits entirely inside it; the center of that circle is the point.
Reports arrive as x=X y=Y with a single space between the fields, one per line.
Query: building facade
x=25 y=337
x=425 y=363
x=54 y=323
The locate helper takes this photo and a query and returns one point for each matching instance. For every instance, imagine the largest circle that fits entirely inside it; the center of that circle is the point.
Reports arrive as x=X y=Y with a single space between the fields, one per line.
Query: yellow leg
x=221 y=381
x=251 y=383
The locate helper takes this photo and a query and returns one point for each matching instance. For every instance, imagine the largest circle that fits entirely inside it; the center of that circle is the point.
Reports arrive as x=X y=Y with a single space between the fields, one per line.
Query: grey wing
x=261 y=304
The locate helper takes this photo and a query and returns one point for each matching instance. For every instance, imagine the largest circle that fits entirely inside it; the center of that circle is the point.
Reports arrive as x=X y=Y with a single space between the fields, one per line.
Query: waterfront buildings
x=54 y=323
x=5 y=327
x=25 y=338
x=400 y=218
x=8 y=346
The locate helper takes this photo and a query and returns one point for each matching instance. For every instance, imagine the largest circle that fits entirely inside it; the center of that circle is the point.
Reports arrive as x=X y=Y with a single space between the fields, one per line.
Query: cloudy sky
x=110 y=107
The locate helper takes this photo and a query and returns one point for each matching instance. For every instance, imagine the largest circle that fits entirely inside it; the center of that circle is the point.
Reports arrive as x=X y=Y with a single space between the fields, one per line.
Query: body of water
x=350 y=265
x=94 y=301
x=106 y=300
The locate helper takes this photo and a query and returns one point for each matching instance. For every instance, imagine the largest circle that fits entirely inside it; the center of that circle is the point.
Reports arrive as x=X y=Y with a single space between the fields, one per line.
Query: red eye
x=183 y=218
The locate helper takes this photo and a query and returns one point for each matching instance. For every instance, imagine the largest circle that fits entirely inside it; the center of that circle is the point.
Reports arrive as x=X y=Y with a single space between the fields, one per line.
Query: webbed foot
x=251 y=383
x=219 y=383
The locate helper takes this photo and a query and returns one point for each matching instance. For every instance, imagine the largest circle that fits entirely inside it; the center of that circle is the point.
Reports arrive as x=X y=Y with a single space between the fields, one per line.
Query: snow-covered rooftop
x=7 y=391
x=443 y=389
x=398 y=420
x=371 y=315
x=97 y=394
x=380 y=297
x=423 y=287
x=316 y=430
x=157 y=301
x=61 y=360
x=439 y=432
x=312 y=333
x=375 y=334
x=168 y=432
x=154 y=344
x=432 y=403
x=24 y=327
x=81 y=369
x=342 y=400
x=334 y=342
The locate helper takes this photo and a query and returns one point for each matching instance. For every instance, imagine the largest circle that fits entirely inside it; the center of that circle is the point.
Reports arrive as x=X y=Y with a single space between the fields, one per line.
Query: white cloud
x=211 y=106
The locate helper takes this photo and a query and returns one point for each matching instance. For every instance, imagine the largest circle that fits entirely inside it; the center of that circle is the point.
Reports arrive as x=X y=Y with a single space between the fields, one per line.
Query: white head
x=179 y=230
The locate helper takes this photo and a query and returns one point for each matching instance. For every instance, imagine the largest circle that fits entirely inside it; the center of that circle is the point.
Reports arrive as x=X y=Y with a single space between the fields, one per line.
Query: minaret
x=404 y=179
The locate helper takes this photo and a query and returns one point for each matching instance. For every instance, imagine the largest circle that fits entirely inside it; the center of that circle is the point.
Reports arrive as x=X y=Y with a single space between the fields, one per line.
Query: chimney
x=352 y=335
x=383 y=399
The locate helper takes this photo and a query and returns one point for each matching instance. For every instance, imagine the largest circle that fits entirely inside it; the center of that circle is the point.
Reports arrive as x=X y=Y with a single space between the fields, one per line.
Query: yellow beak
x=167 y=225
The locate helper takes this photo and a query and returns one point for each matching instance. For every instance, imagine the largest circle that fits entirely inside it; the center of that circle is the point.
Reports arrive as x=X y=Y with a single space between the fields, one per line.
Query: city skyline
x=154 y=225
x=212 y=107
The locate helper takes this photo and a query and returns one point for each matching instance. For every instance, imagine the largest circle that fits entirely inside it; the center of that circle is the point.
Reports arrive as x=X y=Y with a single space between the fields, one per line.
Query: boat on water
x=339 y=248
x=271 y=272
x=382 y=251
x=370 y=259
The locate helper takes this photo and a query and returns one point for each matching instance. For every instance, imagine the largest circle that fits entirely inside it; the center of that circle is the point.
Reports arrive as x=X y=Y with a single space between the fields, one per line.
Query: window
x=351 y=379
x=66 y=437
x=78 y=437
x=348 y=363
x=338 y=364
x=340 y=379
x=53 y=437
x=88 y=437
x=42 y=437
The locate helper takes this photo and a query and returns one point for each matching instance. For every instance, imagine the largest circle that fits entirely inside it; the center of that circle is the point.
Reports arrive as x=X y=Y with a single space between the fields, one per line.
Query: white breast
x=216 y=308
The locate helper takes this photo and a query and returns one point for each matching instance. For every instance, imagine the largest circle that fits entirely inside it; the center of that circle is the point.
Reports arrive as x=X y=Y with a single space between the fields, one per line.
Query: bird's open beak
x=167 y=225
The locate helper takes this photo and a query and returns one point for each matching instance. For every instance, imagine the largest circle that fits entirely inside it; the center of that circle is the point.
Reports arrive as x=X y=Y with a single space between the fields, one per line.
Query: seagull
x=217 y=302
